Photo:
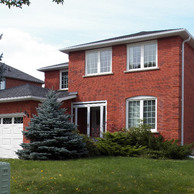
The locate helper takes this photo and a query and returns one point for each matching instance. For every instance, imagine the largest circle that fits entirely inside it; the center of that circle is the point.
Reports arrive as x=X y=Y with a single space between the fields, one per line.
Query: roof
x=136 y=37
x=13 y=73
x=31 y=92
x=54 y=67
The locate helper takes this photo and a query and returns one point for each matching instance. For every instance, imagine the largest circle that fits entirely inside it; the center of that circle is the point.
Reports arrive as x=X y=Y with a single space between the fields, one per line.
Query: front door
x=90 y=117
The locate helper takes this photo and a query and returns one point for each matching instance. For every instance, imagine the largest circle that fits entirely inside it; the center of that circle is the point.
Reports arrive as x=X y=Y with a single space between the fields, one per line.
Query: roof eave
x=67 y=98
x=21 y=98
x=180 y=32
x=59 y=67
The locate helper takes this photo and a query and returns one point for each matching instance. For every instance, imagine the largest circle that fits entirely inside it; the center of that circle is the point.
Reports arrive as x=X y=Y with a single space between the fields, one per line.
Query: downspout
x=182 y=92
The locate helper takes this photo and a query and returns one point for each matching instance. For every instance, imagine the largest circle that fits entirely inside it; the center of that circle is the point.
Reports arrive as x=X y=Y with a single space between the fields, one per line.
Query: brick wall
x=189 y=95
x=163 y=83
x=52 y=79
x=15 y=82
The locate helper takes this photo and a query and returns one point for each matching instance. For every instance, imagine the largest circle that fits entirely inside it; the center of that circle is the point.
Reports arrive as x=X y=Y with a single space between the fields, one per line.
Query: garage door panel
x=17 y=142
x=6 y=130
x=6 y=141
x=10 y=139
x=17 y=130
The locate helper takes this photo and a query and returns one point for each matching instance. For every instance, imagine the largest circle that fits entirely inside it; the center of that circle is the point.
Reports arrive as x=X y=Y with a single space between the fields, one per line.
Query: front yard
x=102 y=175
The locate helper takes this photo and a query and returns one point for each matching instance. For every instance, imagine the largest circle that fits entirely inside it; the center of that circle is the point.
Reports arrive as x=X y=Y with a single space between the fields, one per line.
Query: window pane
x=2 y=85
x=64 y=80
x=7 y=120
x=133 y=113
x=18 y=120
x=92 y=62
x=134 y=57
x=105 y=60
x=150 y=55
x=149 y=113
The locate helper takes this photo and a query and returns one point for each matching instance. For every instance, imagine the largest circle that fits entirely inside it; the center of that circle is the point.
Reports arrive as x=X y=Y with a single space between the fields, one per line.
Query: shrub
x=117 y=144
x=171 y=149
x=90 y=145
x=137 y=141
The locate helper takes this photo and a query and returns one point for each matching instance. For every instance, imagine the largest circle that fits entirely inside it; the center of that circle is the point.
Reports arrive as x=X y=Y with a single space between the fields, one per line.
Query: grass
x=102 y=175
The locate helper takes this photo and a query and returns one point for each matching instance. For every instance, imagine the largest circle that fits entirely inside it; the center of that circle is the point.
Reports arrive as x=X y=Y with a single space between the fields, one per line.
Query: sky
x=33 y=35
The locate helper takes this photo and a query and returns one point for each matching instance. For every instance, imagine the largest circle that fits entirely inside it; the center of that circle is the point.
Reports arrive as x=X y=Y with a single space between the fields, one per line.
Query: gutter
x=22 y=98
x=105 y=43
x=34 y=98
x=54 y=67
x=182 y=92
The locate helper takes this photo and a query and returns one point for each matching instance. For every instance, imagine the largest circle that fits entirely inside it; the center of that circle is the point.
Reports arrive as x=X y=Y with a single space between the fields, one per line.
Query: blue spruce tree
x=52 y=136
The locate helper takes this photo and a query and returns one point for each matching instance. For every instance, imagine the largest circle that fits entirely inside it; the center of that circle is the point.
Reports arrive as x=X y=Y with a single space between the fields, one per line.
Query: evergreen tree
x=52 y=136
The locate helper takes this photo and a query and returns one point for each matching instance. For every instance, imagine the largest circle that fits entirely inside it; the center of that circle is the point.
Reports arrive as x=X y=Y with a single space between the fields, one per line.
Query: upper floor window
x=99 y=61
x=64 y=80
x=142 y=56
x=2 y=84
x=141 y=109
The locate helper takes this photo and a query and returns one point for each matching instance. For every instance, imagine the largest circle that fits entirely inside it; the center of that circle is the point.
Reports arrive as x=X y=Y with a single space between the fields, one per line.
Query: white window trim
x=142 y=68
x=66 y=70
x=98 y=65
x=141 y=98
x=11 y=115
x=88 y=105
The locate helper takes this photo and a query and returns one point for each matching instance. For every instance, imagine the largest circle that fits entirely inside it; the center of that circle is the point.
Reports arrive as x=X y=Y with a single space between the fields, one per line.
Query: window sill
x=154 y=131
x=63 y=89
x=145 y=69
x=99 y=74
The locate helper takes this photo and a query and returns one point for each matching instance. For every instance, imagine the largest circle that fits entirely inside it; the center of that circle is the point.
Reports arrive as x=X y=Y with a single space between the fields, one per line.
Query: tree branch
x=20 y=3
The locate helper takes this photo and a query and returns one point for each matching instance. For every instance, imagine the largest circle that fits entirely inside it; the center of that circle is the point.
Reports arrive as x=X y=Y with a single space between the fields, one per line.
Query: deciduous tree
x=20 y=3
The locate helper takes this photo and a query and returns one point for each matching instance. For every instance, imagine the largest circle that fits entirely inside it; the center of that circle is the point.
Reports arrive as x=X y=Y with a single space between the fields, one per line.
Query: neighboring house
x=19 y=97
x=126 y=80
x=13 y=77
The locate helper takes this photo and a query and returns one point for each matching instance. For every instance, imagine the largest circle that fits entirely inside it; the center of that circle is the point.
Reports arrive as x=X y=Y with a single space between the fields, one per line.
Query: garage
x=11 y=127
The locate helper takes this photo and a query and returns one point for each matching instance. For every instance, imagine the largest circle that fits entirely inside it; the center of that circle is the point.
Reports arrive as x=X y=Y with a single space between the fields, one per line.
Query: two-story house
x=108 y=85
x=119 y=82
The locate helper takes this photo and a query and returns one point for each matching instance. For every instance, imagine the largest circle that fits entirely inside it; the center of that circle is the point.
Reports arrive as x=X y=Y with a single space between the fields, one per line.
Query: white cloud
x=33 y=35
x=27 y=53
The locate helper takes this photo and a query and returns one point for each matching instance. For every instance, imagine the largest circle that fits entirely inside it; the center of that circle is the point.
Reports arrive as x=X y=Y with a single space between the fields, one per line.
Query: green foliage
x=173 y=150
x=142 y=136
x=112 y=145
x=20 y=3
x=52 y=136
x=137 y=141
x=103 y=175
x=91 y=145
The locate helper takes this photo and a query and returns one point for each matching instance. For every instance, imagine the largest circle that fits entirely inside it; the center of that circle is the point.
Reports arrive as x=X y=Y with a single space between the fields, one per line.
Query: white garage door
x=10 y=136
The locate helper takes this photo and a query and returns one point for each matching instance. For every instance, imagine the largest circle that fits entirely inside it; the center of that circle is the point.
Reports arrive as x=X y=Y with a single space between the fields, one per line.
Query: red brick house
x=113 y=84
x=122 y=81
x=20 y=94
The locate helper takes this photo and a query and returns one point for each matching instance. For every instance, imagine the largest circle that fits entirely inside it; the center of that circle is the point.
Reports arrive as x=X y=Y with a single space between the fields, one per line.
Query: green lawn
x=102 y=175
